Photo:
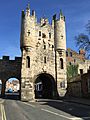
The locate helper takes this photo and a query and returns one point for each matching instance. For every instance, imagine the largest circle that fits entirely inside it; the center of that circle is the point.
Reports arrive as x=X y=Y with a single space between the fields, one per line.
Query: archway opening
x=44 y=86
x=12 y=88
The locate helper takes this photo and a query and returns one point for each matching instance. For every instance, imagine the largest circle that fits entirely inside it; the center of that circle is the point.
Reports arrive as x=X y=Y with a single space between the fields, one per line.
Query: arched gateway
x=44 y=86
x=42 y=69
x=43 y=48
x=9 y=69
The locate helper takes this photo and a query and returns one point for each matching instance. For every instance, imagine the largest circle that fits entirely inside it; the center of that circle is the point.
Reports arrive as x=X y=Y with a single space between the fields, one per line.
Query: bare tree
x=83 y=40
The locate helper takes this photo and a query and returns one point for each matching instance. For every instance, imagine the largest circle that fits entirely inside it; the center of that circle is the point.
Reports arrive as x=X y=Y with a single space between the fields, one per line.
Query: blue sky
x=77 y=13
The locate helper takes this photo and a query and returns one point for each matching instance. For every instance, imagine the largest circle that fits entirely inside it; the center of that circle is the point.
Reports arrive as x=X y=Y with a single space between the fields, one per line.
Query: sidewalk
x=78 y=100
x=0 y=110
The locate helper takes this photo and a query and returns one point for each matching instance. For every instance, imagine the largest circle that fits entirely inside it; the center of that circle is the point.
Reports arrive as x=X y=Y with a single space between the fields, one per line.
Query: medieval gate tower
x=43 y=48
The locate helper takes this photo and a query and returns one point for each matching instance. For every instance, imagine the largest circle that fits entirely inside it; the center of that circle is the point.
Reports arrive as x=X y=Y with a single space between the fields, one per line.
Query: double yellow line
x=2 y=110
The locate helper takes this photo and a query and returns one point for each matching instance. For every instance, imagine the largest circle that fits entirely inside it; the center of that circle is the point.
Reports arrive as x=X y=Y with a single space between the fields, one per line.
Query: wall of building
x=79 y=86
x=74 y=58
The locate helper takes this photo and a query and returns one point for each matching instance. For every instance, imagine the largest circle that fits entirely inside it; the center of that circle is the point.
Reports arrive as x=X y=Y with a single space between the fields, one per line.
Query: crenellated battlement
x=7 y=58
x=43 y=20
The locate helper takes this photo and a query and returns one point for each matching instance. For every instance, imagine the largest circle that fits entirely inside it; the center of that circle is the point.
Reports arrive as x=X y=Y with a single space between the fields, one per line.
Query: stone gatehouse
x=42 y=69
x=43 y=48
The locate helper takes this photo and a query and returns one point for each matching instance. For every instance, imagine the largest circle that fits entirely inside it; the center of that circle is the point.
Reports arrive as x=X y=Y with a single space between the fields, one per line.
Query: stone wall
x=9 y=69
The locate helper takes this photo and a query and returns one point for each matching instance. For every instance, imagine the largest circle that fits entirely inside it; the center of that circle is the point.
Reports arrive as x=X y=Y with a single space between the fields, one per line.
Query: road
x=45 y=110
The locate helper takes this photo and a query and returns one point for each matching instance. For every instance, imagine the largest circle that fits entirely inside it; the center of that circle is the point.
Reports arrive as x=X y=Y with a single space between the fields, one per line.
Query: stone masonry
x=9 y=69
x=43 y=48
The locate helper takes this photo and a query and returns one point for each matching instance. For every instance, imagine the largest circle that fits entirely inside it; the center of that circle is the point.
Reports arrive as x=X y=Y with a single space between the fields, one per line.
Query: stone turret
x=59 y=32
x=60 y=52
x=27 y=28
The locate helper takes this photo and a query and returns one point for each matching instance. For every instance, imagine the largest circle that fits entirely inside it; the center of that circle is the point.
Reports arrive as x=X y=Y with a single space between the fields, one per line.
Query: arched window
x=28 y=32
x=28 y=62
x=70 y=54
x=45 y=59
x=66 y=54
x=61 y=63
x=44 y=46
x=39 y=33
x=49 y=35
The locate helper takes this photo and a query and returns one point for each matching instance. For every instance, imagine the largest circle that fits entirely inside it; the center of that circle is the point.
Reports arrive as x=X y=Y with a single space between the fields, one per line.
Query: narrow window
x=39 y=39
x=44 y=46
x=28 y=62
x=81 y=71
x=70 y=54
x=28 y=32
x=61 y=63
x=61 y=36
x=43 y=35
x=45 y=59
x=49 y=35
x=39 y=33
x=52 y=47
x=70 y=63
x=66 y=54
x=62 y=84
x=74 y=60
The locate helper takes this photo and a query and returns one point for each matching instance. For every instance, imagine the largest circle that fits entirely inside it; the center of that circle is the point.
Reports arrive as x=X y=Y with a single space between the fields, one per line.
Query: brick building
x=74 y=58
x=78 y=83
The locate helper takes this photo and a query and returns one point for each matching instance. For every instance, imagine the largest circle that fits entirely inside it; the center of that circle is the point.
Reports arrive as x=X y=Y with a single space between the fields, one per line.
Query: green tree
x=83 y=40
x=72 y=71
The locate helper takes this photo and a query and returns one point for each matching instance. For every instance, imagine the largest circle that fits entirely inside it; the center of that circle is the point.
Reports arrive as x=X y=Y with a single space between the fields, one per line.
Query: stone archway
x=44 y=86
x=12 y=88
x=9 y=69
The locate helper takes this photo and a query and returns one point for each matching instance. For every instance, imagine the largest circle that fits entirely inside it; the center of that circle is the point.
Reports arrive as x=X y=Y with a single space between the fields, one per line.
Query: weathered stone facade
x=43 y=48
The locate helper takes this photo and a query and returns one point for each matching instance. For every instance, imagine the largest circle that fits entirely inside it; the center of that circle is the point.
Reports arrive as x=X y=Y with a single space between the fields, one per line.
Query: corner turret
x=59 y=32
x=27 y=28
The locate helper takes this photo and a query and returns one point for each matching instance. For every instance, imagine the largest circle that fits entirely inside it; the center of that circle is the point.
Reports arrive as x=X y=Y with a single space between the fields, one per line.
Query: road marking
x=83 y=118
x=74 y=118
x=29 y=104
x=55 y=114
x=3 y=114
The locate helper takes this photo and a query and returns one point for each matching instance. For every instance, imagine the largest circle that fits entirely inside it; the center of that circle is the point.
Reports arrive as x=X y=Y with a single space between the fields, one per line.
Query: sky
x=77 y=14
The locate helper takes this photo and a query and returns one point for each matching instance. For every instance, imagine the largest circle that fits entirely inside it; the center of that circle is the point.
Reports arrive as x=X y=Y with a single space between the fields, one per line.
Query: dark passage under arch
x=44 y=86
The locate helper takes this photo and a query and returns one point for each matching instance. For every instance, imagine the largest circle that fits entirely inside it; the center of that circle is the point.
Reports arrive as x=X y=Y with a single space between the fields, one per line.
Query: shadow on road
x=70 y=108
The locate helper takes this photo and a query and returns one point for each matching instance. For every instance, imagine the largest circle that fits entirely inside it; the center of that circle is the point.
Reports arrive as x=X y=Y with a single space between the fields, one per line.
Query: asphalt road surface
x=45 y=110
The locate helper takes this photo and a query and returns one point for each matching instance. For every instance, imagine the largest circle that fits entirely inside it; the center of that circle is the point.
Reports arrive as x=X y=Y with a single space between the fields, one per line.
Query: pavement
x=81 y=101
x=2 y=110
x=0 y=113
x=78 y=100
x=45 y=110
